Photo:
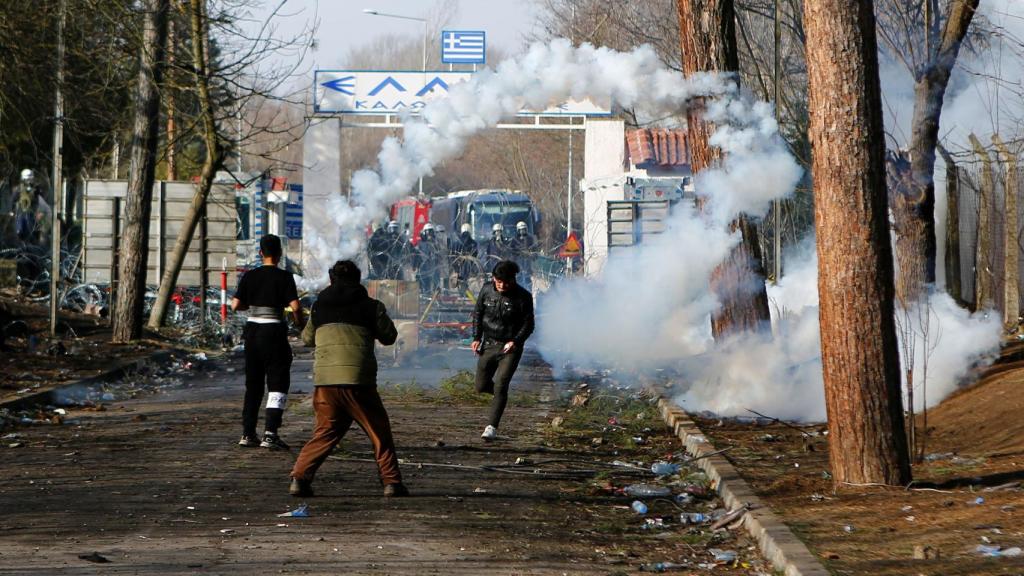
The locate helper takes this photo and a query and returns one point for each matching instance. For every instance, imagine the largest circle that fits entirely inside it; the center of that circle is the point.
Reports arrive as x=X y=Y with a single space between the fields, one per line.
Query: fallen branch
x=773 y=419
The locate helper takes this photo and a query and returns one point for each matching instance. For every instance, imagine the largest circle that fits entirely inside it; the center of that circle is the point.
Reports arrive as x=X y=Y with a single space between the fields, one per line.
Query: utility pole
x=777 y=204
x=568 y=187
x=58 y=180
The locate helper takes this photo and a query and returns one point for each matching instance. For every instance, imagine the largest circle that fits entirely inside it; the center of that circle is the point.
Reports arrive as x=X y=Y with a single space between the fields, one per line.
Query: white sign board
x=393 y=92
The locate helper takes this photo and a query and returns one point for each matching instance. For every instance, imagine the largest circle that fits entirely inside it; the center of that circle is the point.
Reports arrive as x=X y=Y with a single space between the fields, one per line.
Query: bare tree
x=855 y=275
x=708 y=36
x=239 y=76
x=928 y=43
x=131 y=291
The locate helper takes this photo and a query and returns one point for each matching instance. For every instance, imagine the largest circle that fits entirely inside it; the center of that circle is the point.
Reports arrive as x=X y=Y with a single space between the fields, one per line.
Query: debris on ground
x=301 y=511
x=94 y=557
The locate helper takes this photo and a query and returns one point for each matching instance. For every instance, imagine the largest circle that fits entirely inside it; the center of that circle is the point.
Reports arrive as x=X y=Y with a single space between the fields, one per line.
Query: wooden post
x=1011 y=250
x=983 y=275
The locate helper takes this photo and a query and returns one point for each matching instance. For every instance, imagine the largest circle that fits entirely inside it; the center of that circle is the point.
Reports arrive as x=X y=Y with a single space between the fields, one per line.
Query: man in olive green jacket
x=343 y=324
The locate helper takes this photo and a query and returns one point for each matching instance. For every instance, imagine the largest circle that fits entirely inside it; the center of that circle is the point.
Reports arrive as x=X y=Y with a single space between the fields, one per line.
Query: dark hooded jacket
x=343 y=324
x=504 y=317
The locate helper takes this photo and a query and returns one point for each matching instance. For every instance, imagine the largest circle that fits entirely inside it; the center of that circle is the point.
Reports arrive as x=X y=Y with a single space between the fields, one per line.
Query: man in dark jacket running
x=265 y=292
x=343 y=324
x=502 y=321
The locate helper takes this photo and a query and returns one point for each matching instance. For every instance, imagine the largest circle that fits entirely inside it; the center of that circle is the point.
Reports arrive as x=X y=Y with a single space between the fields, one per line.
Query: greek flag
x=463 y=47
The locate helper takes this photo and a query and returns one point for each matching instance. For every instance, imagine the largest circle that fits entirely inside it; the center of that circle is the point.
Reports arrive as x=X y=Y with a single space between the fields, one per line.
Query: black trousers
x=494 y=371
x=268 y=363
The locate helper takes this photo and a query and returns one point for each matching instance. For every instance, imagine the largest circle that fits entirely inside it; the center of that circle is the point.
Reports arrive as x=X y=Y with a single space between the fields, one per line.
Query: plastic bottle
x=693 y=518
x=647 y=491
x=660 y=567
x=639 y=507
x=684 y=498
x=664 y=468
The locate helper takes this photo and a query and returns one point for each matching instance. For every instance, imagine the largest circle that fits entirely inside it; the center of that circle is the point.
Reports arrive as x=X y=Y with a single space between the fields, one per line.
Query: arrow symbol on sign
x=342 y=85
x=430 y=86
x=382 y=85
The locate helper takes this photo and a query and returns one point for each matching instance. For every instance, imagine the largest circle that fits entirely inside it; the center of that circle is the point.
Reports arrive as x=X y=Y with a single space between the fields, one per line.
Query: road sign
x=392 y=92
x=463 y=46
x=572 y=247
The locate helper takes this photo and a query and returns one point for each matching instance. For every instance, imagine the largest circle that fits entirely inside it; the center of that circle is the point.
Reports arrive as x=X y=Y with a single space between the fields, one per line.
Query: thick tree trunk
x=134 y=250
x=984 y=277
x=952 y=260
x=214 y=158
x=1011 y=249
x=708 y=40
x=855 y=271
x=914 y=209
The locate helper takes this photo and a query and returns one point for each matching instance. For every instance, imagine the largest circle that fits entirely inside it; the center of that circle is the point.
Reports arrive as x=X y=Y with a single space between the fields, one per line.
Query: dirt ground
x=966 y=493
x=156 y=485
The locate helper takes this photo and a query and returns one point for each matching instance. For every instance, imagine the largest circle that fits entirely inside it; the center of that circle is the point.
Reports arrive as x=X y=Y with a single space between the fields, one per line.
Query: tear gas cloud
x=782 y=375
x=546 y=75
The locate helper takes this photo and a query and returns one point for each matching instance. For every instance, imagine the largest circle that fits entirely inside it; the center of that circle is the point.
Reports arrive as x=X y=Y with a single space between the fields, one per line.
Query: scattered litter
x=60 y=411
x=1007 y=486
x=15 y=445
x=818 y=497
x=906 y=509
x=647 y=491
x=479 y=490
x=723 y=555
x=687 y=518
x=910 y=518
x=190 y=507
x=848 y=528
x=662 y=567
x=997 y=551
x=684 y=498
x=979 y=500
x=557 y=421
x=302 y=511
x=664 y=468
x=282 y=525
x=613 y=421
x=639 y=440
x=94 y=557
x=200 y=356
x=730 y=517
x=521 y=461
x=639 y=507
x=12 y=436
x=227 y=531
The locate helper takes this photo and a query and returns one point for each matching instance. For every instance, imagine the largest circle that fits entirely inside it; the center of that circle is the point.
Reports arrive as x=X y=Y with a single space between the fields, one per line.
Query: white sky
x=343 y=25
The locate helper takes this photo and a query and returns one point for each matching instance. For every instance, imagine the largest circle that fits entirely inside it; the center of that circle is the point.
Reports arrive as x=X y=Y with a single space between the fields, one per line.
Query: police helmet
x=465 y=228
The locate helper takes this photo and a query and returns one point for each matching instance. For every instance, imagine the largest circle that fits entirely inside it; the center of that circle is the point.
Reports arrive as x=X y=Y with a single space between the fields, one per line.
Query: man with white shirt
x=265 y=292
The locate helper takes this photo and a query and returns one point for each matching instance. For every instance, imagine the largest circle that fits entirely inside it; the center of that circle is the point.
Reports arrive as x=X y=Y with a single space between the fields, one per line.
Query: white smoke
x=782 y=375
x=546 y=75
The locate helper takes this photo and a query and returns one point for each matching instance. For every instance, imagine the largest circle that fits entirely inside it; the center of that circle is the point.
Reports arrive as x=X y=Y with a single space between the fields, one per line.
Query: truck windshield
x=487 y=215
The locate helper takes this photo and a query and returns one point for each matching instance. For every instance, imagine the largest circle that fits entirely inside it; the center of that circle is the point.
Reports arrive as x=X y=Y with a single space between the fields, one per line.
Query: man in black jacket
x=502 y=321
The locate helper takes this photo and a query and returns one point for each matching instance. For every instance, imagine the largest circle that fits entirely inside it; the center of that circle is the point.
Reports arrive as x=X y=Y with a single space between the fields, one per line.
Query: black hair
x=270 y=246
x=345 y=272
x=505 y=271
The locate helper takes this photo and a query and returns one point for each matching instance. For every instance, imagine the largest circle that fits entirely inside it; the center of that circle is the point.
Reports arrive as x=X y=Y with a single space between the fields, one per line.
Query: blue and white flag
x=463 y=46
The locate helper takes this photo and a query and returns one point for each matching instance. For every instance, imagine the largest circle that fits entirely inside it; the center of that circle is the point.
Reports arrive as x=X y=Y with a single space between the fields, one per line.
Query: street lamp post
x=424 y=66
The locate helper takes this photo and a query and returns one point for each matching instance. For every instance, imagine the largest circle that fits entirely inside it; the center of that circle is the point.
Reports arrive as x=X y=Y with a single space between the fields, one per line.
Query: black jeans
x=494 y=371
x=268 y=362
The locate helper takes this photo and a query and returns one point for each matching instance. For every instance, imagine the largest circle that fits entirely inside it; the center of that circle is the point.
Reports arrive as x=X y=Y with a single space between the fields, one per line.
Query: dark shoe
x=301 y=488
x=396 y=490
x=248 y=442
x=273 y=441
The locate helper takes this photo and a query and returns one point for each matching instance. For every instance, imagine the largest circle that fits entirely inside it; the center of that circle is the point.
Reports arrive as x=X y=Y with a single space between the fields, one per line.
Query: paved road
x=156 y=485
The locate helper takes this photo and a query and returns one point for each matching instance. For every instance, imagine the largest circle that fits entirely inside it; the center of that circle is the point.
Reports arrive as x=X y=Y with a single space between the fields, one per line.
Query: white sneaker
x=490 y=433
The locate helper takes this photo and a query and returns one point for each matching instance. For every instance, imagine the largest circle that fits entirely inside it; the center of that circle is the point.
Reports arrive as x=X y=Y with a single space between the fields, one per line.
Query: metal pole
x=568 y=204
x=777 y=205
x=58 y=181
x=424 y=71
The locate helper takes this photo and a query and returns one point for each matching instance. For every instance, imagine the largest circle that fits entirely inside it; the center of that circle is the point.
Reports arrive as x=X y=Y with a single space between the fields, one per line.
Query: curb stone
x=48 y=396
x=775 y=540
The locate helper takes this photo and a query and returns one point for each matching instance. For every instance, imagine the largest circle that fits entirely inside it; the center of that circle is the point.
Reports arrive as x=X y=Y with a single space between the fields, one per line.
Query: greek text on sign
x=384 y=92
x=463 y=46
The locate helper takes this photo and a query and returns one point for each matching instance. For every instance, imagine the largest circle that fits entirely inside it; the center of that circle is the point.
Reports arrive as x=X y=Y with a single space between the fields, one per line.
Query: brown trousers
x=336 y=407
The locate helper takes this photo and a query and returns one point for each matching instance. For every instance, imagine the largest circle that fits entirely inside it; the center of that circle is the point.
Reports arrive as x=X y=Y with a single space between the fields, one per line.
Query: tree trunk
x=1011 y=251
x=855 y=271
x=984 y=279
x=134 y=250
x=952 y=260
x=914 y=211
x=708 y=40
x=213 y=160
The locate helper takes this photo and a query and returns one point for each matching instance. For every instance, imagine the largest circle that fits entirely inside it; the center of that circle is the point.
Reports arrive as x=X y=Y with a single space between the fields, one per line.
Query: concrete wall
x=604 y=167
x=171 y=200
